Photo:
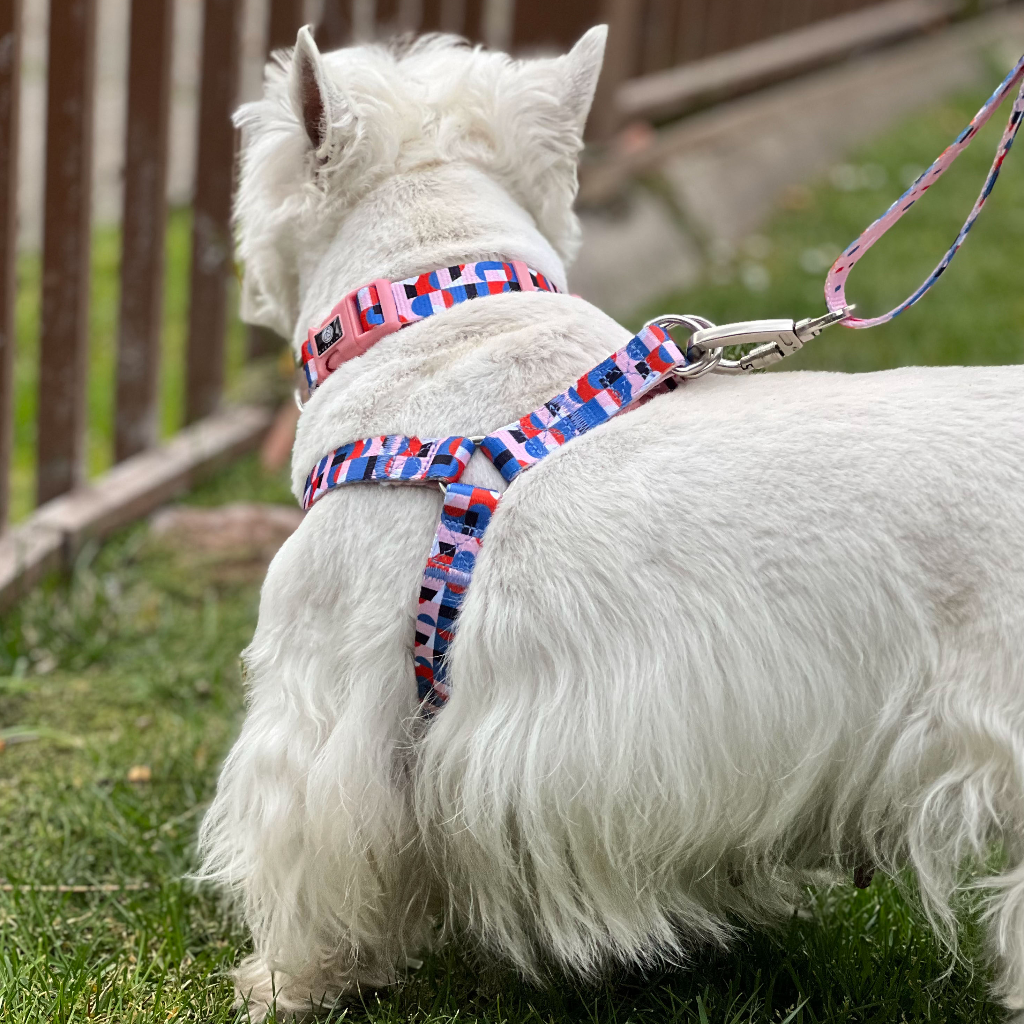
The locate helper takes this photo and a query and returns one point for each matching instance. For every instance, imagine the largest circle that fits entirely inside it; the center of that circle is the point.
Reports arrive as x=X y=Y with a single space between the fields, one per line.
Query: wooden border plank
x=701 y=83
x=53 y=535
x=64 y=316
x=144 y=221
x=10 y=90
x=211 y=209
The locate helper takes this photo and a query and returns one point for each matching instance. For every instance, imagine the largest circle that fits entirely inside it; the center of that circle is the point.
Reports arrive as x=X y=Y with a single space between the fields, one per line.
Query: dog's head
x=333 y=126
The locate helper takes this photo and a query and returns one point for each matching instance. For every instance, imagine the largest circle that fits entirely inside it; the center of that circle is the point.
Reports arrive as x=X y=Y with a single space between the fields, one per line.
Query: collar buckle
x=342 y=336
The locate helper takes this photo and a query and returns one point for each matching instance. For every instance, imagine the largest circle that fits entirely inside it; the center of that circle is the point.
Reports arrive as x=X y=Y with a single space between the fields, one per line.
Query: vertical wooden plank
x=335 y=26
x=211 y=208
x=386 y=15
x=659 y=35
x=473 y=28
x=64 y=319
x=143 y=222
x=430 y=19
x=541 y=23
x=754 y=15
x=690 y=30
x=284 y=19
x=719 y=27
x=10 y=83
x=620 y=63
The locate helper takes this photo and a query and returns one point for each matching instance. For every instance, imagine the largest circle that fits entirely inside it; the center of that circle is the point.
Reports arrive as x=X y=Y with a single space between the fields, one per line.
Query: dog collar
x=367 y=314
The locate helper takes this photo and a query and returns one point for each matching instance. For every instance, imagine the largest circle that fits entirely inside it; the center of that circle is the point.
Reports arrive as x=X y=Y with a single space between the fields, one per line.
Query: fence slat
x=284 y=20
x=659 y=35
x=556 y=26
x=211 y=209
x=473 y=28
x=430 y=17
x=10 y=82
x=144 y=222
x=335 y=26
x=387 y=15
x=690 y=30
x=64 y=316
x=622 y=18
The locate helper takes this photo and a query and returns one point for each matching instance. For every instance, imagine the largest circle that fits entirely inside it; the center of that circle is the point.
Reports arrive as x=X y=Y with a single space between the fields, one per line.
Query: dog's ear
x=315 y=100
x=581 y=68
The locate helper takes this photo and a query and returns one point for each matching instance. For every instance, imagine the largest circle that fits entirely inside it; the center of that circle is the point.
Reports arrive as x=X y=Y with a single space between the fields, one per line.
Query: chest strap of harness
x=642 y=368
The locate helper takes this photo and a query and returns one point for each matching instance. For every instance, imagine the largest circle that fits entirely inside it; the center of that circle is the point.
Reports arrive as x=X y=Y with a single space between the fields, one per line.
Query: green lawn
x=134 y=662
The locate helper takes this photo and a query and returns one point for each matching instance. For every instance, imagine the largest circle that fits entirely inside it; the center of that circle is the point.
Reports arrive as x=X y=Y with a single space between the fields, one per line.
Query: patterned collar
x=381 y=307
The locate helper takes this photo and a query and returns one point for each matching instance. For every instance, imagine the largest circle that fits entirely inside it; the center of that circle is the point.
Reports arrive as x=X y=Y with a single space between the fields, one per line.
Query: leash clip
x=773 y=340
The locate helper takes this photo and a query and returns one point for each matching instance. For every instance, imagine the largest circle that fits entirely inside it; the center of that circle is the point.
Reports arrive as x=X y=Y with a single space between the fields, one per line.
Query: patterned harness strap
x=627 y=378
x=394 y=458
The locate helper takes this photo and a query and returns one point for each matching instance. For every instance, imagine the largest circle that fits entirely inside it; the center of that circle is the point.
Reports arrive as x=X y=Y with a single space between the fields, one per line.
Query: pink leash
x=835 y=283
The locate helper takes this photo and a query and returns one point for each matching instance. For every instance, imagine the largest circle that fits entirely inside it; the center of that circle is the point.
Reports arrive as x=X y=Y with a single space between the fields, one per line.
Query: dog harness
x=633 y=374
x=647 y=365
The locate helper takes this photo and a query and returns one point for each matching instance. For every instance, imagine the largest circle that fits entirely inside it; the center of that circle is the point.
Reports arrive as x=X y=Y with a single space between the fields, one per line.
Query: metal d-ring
x=708 y=360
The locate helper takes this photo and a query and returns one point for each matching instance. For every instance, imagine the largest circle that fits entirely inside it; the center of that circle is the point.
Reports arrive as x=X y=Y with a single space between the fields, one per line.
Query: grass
x=133 y=662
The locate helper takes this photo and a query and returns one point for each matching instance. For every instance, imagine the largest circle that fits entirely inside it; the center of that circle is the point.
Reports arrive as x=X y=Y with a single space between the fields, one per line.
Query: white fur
x=757 y=631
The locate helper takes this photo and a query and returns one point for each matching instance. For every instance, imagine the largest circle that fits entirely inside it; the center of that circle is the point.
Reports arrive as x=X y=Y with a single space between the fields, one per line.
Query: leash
x=835 y=282
x=775 y=339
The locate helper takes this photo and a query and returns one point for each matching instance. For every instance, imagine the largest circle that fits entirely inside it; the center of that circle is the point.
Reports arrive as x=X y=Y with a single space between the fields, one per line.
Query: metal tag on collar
x=772 y=339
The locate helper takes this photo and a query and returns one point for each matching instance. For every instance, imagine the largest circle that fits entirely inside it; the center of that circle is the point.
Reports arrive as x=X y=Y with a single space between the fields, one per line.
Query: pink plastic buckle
x=341 y=336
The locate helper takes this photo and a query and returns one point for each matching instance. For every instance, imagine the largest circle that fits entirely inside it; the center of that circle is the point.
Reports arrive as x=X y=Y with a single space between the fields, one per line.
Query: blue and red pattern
x=417 y=298
x=395 y=458
x=414 y=299
x=464 y=520
x=621 y=380
x=308 y=366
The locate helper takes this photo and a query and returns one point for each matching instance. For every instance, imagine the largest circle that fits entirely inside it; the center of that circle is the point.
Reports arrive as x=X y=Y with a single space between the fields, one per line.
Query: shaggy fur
x=757 y=631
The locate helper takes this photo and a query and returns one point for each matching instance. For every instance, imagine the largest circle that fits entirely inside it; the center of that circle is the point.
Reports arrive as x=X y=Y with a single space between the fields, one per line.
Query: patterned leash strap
x=835 y=283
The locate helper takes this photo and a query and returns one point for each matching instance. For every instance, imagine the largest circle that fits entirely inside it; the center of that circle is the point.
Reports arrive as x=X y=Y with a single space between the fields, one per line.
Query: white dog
x=758 y=630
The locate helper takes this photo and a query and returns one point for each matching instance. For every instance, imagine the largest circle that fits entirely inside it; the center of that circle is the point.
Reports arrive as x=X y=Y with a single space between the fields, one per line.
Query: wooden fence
x=648 y=37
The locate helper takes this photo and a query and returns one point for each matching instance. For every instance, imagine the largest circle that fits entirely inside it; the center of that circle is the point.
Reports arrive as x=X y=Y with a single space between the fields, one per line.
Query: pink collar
x=381 y=307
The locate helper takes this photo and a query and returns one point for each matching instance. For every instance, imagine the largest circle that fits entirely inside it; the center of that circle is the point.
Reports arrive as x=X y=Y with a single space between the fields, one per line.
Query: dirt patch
x=245 y=535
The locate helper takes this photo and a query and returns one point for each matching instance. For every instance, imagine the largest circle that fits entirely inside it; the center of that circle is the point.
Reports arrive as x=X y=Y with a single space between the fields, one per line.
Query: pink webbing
x=835 y=283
